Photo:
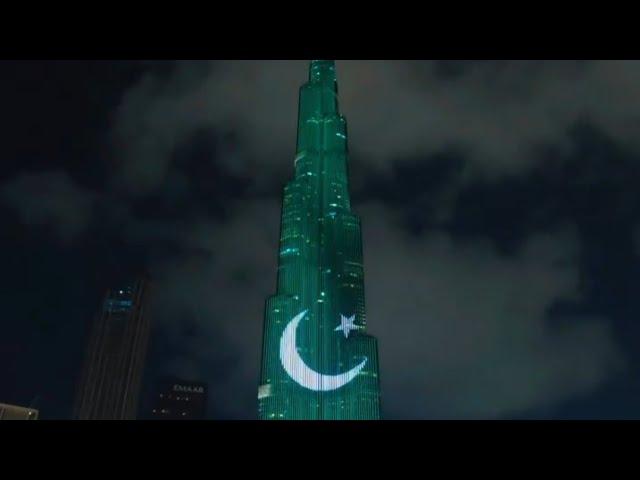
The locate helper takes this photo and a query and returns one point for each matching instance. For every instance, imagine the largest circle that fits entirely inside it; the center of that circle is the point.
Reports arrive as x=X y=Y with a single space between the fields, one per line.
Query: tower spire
x=322 y=71
x=318 y=100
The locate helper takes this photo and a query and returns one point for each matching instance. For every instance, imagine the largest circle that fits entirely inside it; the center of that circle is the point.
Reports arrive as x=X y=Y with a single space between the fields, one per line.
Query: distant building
x=179 y=400
x=13 y=412
x=110 y=382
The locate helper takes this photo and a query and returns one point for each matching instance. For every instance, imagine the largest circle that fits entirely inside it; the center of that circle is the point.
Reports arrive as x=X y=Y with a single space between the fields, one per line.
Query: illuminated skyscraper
x=111 y=378
x=317 y=361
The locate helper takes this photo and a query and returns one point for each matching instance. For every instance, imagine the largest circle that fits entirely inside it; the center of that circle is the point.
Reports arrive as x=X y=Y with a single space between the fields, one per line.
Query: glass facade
x=318 y=362
x=111 y=378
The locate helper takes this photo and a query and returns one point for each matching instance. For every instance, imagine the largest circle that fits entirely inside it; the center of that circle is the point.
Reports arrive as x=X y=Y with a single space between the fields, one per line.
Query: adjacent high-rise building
x=14 y=412
x=110 y=382
x=318 y=363
x=177 y=399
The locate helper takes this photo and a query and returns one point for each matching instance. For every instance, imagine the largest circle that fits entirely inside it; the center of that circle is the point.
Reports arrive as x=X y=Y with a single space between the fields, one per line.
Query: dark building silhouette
x=177 y=399
x=14 y=412
x=111 y=378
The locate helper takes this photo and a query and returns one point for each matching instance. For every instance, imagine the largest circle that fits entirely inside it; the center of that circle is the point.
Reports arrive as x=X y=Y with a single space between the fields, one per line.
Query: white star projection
x=346 y=325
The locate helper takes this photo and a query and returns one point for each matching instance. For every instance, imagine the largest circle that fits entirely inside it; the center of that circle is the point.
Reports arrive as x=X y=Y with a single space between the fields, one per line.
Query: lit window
x=264 y=390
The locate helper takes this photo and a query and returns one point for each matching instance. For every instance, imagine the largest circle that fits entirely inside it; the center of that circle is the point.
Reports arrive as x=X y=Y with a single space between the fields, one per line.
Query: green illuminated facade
x=318 y=363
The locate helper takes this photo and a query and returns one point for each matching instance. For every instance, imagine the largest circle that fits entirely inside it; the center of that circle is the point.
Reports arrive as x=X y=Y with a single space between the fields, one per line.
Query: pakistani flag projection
x=318 y=363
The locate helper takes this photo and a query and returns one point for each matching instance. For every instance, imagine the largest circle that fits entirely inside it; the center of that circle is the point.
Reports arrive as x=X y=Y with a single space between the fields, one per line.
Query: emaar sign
x=187 y=389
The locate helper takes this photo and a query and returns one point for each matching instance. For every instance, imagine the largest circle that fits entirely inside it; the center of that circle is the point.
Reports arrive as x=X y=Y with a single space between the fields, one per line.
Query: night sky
x=499 y=202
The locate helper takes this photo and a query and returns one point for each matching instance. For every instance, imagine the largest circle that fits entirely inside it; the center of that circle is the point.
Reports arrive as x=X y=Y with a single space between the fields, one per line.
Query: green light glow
x=318 y=363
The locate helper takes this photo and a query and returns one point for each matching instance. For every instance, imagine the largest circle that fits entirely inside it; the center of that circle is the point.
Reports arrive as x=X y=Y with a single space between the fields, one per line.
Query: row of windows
x=164 y=411
x=170 y=397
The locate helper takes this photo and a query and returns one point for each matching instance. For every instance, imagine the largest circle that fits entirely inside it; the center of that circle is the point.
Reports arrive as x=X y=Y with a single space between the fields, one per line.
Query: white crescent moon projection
x=294 y=365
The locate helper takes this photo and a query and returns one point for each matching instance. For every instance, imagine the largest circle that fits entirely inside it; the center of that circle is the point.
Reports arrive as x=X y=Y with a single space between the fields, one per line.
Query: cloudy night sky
x=500 y=205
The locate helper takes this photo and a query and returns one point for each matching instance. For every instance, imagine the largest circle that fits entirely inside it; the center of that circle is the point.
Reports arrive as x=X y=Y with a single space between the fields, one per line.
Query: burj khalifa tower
x=318 y=362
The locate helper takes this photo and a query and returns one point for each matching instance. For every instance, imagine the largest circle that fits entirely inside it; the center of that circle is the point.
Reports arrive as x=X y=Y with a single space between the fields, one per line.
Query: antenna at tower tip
x=322 y=71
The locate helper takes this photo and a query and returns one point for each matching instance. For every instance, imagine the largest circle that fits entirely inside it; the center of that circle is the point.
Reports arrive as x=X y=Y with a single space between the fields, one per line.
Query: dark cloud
x=424 y=188
x=498 y=113
x=219 y=282
x=50 y=199
x=464 y=329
